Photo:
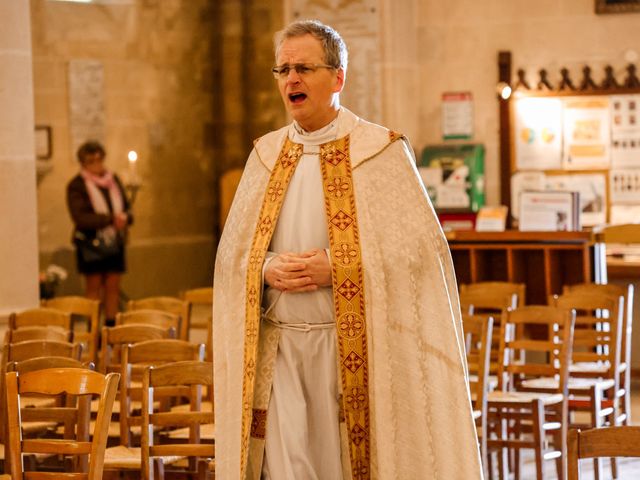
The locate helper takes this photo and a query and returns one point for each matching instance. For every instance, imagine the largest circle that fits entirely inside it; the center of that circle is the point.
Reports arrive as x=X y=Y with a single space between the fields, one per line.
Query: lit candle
x=133 y=158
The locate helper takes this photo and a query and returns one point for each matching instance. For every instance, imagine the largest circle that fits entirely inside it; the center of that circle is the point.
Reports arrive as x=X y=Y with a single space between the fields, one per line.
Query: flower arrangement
x=50 y=279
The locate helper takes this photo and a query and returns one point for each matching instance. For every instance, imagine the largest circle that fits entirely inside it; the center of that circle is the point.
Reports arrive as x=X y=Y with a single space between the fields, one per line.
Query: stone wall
x=183 y=86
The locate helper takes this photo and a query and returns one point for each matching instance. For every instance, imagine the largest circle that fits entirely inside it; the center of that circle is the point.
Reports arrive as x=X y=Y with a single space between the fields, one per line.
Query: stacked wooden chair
x=624 y=368
x=611 y=442
x=478 y=332
x=172 y=305
x=520 y=419
x=81 y=308
x=186 y=379
x=78 y=440
x=126 y=457
x=594 y=383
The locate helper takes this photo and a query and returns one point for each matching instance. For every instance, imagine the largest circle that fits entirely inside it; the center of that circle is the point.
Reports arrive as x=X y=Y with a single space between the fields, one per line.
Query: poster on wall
x=586 y=133
x=624 y=186
x=593 y=194
x=538 y=134
x=625 y=131
x=549 y=211
x=521 y=182
x=457 y=115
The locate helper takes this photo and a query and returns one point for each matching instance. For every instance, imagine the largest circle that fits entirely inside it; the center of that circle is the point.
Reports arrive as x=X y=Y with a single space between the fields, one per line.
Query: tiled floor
x=628 y=469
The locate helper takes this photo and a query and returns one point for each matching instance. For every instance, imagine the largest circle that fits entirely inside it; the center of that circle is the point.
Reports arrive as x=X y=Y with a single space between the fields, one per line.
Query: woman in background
x=100 y=212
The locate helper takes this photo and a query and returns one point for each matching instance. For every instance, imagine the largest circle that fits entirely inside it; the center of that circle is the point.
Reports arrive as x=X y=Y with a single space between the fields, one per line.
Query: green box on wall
x=454 y=176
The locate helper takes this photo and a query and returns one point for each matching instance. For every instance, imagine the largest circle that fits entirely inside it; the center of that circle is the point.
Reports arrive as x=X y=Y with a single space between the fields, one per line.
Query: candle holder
x=133 y=183
x=131 y=188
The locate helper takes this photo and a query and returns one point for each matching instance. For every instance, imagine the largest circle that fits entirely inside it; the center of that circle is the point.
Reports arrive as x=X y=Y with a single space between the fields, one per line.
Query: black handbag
x=94 y=250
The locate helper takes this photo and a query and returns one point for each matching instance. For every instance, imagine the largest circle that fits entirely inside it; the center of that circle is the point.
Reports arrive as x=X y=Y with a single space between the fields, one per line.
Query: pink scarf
x=99 y=203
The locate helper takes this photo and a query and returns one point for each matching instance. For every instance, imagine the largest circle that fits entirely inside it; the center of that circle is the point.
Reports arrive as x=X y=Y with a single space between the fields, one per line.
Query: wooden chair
x=493 y=296
x=199 y=296
x=624 y=381
x=596 y=343
x=42 y=363
x=186 y=379
x=601 y=442
x=37 y=333
x=81 y=382
x=152 y=352
x=513 y=413
x=40 y=317
x=86 y=309
x=491 y=299
x=18 y=352
x=157 y=318
x=201 y=306
x=176 y=306
x=478 y=333
x=114 y=338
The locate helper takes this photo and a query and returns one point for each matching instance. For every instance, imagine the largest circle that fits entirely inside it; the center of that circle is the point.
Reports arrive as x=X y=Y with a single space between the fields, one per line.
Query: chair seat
x=577 y=385
x=205 y=407
x=207 y=432
x=122 y=457
x=589 y=367
x=492 y=381
x=524 y=397
x=125 y=458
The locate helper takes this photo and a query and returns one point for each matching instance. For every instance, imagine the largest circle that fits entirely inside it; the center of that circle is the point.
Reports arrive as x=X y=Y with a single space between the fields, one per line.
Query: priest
x=338 y=349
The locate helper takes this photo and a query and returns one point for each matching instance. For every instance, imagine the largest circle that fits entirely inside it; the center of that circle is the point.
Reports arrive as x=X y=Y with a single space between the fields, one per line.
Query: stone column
x=18 y=206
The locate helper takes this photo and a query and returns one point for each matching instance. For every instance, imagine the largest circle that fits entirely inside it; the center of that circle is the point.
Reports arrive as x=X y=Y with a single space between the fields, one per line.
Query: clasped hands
x=299 y=272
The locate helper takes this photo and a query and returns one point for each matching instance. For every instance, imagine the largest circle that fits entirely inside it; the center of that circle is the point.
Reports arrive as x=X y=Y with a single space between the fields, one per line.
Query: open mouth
x=297 y=98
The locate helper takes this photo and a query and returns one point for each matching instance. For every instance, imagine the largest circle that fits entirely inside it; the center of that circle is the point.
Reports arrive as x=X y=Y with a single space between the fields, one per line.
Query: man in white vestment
x=337 y=332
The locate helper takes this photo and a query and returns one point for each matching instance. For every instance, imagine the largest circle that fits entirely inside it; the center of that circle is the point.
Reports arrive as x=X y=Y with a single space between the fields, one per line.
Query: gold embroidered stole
x=348 y=299
x=348 y=292
x=271 y=205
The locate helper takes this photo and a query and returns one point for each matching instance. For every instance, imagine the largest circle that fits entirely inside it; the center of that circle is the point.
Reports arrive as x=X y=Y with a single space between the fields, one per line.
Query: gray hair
x=335 y=50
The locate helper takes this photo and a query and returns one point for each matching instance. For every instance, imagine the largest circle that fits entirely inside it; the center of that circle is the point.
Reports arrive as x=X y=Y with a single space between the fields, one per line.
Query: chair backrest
x=622 y=441
x=18 y=352
x=598 y=327
x=491 y=297
x=42 y=363
x=43 y=317
x=627 y=316
x=553 y=350
x=151 y=317
x=176 y=306
x=187 y=379
x=84 y=307
x=201 y=306
x=199 y=296
x=113 y=338
x=150 y=352
x=57 y=381
x=478 y=333
x=37 y=333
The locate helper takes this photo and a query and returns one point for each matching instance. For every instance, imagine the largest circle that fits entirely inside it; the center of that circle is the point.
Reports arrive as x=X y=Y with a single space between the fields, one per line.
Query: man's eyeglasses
x=302 y=69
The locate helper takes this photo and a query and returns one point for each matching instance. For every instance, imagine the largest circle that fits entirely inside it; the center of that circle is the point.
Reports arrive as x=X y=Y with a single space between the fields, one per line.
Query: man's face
x=309 y=97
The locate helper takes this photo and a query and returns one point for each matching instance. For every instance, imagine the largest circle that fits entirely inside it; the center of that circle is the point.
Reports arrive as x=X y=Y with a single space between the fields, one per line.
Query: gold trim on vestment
x=271 y=205
x=348 y=293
